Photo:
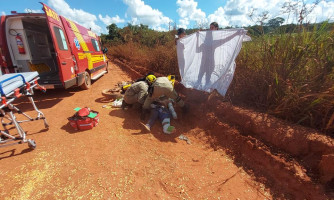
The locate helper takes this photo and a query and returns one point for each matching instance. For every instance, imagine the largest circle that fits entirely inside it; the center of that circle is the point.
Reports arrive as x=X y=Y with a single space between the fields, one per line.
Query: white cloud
x=188 y=12
x=27 y=10
x=324 y=11
x=219 y=16
x=235 y=12
x=111 y=20
x=81 y=17
x=183 y=23
x=3 y=13
x=161 y=29
x=139 y=12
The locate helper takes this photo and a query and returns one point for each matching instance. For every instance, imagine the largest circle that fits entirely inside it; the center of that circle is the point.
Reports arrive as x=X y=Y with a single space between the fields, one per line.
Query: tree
x=113 y=31
x=276 y=22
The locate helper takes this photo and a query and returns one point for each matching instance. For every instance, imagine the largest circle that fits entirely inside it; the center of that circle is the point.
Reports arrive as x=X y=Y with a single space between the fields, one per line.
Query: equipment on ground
x=12 y=87
x=84 y=119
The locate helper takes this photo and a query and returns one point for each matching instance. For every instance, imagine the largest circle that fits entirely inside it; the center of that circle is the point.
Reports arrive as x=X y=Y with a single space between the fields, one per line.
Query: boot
x=147 y=127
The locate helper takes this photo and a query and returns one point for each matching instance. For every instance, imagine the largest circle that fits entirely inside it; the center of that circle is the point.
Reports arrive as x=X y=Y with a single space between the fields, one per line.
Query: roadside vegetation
x=289 y=74
x=286 y=70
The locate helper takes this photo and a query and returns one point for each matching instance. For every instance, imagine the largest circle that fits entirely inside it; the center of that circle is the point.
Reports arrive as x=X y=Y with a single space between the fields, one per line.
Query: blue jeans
x=160 y=113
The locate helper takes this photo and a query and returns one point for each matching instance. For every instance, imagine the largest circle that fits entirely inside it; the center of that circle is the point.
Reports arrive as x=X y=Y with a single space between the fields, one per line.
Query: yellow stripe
x=97 y=58
x=94 y=58
x=98 y=61
x=82 y=44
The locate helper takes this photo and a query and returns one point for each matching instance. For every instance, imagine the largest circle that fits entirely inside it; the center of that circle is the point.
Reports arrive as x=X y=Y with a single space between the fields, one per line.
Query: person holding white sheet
x=214 y=26
x=208 y=47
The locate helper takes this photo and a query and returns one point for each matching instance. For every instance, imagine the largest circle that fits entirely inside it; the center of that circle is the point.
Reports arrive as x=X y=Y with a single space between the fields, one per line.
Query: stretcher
x=12 y=87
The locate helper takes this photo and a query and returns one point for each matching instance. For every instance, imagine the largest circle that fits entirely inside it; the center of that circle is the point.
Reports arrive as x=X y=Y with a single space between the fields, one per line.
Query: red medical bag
x=84 y=119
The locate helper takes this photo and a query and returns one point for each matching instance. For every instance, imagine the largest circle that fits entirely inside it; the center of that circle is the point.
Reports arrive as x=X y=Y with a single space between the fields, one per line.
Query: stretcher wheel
x=46 y=125
x=112 y=93
x=32 y=144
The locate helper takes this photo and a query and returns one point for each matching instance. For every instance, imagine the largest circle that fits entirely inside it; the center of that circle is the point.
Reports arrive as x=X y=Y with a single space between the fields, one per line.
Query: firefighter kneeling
x=162 y=86
x=137 y=92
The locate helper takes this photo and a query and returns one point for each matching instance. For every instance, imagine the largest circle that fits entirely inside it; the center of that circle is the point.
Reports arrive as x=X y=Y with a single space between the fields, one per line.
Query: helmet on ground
x=151 y=79
x=171 y=78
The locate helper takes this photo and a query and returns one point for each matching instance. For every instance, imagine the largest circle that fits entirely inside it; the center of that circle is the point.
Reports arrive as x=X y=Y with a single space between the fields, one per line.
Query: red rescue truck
x=64 y=53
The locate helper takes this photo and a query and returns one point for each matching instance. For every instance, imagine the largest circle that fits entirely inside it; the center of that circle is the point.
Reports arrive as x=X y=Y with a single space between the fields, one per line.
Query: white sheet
x=207 y=58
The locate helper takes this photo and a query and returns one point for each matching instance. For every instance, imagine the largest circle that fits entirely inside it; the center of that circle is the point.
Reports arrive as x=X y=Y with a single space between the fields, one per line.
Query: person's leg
x=165 y=121
x=166 y=127
x=147 y=103
x=153 y=117
x=125 y=105
x=128 y=100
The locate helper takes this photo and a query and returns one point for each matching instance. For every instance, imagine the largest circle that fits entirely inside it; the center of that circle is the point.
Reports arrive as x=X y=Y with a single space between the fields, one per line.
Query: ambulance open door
x=62 y=48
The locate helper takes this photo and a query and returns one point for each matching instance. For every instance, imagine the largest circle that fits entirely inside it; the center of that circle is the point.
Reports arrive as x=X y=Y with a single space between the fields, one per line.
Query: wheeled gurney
x=12 y=87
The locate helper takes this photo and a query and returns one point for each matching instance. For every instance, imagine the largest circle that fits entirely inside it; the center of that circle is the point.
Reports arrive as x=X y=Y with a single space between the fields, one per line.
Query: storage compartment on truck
x=39 y=53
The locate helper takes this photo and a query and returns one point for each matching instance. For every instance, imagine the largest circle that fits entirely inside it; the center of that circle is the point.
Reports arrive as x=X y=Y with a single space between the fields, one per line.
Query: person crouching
x=162 y=86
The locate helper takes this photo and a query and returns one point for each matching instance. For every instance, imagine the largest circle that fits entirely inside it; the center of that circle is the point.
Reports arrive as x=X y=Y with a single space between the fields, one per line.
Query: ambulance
x=64 y=53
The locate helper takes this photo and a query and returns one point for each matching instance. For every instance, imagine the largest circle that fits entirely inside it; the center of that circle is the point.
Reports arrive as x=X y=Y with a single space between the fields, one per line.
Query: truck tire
x=87 y=83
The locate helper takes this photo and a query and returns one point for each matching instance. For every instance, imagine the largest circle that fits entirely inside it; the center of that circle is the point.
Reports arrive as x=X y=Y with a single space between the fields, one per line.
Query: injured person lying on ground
x=163 y=110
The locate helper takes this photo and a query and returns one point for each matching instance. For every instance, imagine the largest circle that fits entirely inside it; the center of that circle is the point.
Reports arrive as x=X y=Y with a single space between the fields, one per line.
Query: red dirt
x=234 y=153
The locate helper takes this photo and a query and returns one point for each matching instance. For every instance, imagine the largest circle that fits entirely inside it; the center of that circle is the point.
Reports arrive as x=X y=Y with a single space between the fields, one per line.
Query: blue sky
x=158 y=14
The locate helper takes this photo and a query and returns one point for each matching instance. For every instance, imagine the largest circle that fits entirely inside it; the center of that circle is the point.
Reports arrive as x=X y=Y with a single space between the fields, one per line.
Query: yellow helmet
x=151 y=79
x=125 y=87
x=171 y=78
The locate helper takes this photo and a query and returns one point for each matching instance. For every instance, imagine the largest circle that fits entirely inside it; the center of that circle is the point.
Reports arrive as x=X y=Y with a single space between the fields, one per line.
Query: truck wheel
x=87 y=83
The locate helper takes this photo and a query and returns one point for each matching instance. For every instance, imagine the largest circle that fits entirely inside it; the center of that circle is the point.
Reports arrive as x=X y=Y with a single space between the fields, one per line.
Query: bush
x=290 y=76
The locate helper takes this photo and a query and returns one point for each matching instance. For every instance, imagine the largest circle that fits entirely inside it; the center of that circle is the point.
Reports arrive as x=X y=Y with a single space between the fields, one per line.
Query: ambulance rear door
x=3 y=45
x=62 y=47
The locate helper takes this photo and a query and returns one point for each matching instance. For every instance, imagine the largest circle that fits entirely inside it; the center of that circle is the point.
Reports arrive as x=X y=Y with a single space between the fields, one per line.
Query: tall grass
x=160 y=58
x=289 y=75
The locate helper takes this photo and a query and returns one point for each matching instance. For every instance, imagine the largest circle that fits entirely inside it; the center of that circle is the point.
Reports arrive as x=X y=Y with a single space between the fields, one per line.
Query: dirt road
x=119 y=160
